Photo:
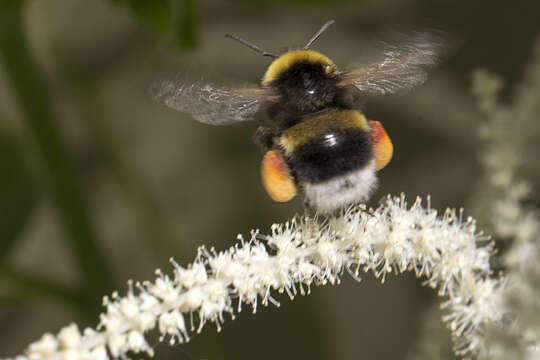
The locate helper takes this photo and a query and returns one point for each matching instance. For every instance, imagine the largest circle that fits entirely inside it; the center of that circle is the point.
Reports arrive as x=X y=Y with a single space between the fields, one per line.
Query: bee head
x=283 y=65
x=305 y=79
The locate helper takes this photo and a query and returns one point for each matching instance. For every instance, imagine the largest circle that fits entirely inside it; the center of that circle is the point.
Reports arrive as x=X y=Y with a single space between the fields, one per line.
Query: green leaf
x=174 y=19
x=155 y=12
x=185 y=23
x=18 y=194
x=299 y=2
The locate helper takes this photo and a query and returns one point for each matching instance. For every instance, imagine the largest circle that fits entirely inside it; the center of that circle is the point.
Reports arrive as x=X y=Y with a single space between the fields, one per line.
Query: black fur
x=264 y=137
x=303 y=89
x=334 y=153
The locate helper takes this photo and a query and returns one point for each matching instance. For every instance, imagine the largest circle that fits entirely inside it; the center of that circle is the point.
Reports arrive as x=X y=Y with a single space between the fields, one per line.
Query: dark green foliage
x=18 y=194
x=301 y=2
x=155 y=12
x=175 y=19
x=61 y=179
x=186 y=22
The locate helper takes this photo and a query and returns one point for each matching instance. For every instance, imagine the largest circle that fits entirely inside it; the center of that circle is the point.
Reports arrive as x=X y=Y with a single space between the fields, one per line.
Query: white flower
x=304 y=252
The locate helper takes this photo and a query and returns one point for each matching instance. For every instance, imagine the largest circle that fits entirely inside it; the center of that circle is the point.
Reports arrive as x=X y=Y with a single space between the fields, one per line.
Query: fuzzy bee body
x=324 y=141
x=318 y=144
x=330 y=157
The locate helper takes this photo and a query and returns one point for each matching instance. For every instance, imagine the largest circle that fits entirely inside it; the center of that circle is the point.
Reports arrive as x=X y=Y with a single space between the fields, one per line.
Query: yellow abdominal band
x=320 y=123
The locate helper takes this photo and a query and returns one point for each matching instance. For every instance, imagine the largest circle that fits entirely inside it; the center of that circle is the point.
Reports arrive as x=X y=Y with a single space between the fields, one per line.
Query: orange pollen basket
x=275 y=177
x=382 y=146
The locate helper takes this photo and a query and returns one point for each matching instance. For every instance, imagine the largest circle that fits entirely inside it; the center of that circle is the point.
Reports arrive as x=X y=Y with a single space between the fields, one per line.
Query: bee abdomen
x=327 y=144
x=331 y=154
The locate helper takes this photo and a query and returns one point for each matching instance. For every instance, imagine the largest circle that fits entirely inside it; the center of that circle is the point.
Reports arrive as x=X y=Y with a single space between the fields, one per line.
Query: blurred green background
x=99 y=184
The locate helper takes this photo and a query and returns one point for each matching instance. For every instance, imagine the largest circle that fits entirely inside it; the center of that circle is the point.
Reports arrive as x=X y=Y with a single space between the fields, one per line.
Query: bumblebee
x=319 y=145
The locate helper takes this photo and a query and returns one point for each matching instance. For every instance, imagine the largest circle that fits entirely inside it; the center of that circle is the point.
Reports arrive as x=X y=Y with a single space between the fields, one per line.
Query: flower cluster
x=511 y=130
x=446 y=250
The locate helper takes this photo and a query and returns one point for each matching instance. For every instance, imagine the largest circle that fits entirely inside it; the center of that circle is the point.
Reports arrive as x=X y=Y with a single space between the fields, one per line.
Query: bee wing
x=402 y=67
x=211 y=104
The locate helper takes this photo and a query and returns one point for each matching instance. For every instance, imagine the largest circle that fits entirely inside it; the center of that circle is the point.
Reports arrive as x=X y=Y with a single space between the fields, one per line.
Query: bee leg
x=363 y=208
x=309 y=211
x=264 y=137
x=276 y=178
x=311 y=219
x=382 y=145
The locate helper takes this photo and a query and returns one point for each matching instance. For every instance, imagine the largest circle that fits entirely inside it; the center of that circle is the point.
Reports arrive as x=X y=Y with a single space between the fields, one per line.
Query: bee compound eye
x=276 y=179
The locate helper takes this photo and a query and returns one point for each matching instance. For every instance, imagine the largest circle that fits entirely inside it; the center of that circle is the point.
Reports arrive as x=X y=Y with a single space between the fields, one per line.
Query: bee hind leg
x=264 y=137
x=363 y=208
x=309 y=211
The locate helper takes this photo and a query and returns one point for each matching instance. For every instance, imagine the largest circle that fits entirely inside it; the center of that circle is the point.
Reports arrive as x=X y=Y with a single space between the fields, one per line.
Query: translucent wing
x=402 y=67
x=211 y=104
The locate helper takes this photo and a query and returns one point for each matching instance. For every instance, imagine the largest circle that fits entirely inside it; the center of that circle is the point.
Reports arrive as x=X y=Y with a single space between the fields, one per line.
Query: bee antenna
x=318 y=33
x=250 y=45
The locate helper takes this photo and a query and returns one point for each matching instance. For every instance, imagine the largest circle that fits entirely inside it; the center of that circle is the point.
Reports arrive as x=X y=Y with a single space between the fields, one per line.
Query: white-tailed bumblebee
x=318 y=144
